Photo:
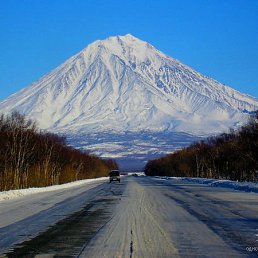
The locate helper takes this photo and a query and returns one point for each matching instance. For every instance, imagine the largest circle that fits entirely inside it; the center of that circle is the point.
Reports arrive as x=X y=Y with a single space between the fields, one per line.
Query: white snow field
x=139 y=217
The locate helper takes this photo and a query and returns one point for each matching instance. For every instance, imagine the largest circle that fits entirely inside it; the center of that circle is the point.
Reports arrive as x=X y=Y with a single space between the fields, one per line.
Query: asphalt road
x=168 y=218
x=152 y=217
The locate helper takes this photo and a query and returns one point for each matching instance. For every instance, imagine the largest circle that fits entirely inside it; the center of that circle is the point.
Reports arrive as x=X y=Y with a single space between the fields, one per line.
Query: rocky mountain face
x=124 y=86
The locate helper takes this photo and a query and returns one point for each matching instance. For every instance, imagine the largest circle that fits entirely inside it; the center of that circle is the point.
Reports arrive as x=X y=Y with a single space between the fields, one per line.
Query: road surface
x=139 y=217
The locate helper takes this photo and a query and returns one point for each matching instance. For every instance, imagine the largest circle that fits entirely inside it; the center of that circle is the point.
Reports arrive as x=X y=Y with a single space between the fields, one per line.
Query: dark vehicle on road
x=114 y=175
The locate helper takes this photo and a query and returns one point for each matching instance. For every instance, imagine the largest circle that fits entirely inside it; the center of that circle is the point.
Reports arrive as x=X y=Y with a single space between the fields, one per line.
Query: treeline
x=231 y=155
x=29 y=158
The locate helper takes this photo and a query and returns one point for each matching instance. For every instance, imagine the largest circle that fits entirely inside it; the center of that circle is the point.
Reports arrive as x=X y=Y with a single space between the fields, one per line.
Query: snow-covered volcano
x=123 y=84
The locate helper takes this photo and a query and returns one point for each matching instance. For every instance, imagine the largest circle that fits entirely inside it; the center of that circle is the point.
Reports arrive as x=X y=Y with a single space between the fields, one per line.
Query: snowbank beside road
x=242 y=186
x=12 y=194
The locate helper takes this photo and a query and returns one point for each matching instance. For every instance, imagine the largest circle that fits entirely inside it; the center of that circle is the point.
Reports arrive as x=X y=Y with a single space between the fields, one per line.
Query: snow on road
x=139 y=217
x=171 y=218
x=25 y=213
x=134 y=231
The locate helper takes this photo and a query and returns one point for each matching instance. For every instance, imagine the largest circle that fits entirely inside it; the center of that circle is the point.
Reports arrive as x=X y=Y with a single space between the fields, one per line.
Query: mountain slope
x=122 y=98
x=125 y=84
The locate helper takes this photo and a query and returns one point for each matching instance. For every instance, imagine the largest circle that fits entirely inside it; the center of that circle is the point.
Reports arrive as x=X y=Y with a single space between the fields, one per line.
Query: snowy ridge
x=125 y=84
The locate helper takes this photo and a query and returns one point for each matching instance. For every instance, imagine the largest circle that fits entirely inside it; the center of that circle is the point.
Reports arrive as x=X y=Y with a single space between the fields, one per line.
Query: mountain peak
x=124 y=84
x=127 y=37
x=130 y=37
x=129 y=48
x=127 y=40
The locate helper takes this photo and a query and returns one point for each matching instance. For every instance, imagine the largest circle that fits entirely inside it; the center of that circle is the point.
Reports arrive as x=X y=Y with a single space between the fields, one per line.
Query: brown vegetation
x=231 y=156
x=30 y=158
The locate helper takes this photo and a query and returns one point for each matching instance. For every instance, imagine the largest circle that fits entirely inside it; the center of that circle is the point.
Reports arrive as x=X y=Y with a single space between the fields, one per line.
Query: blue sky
x=217 y=38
